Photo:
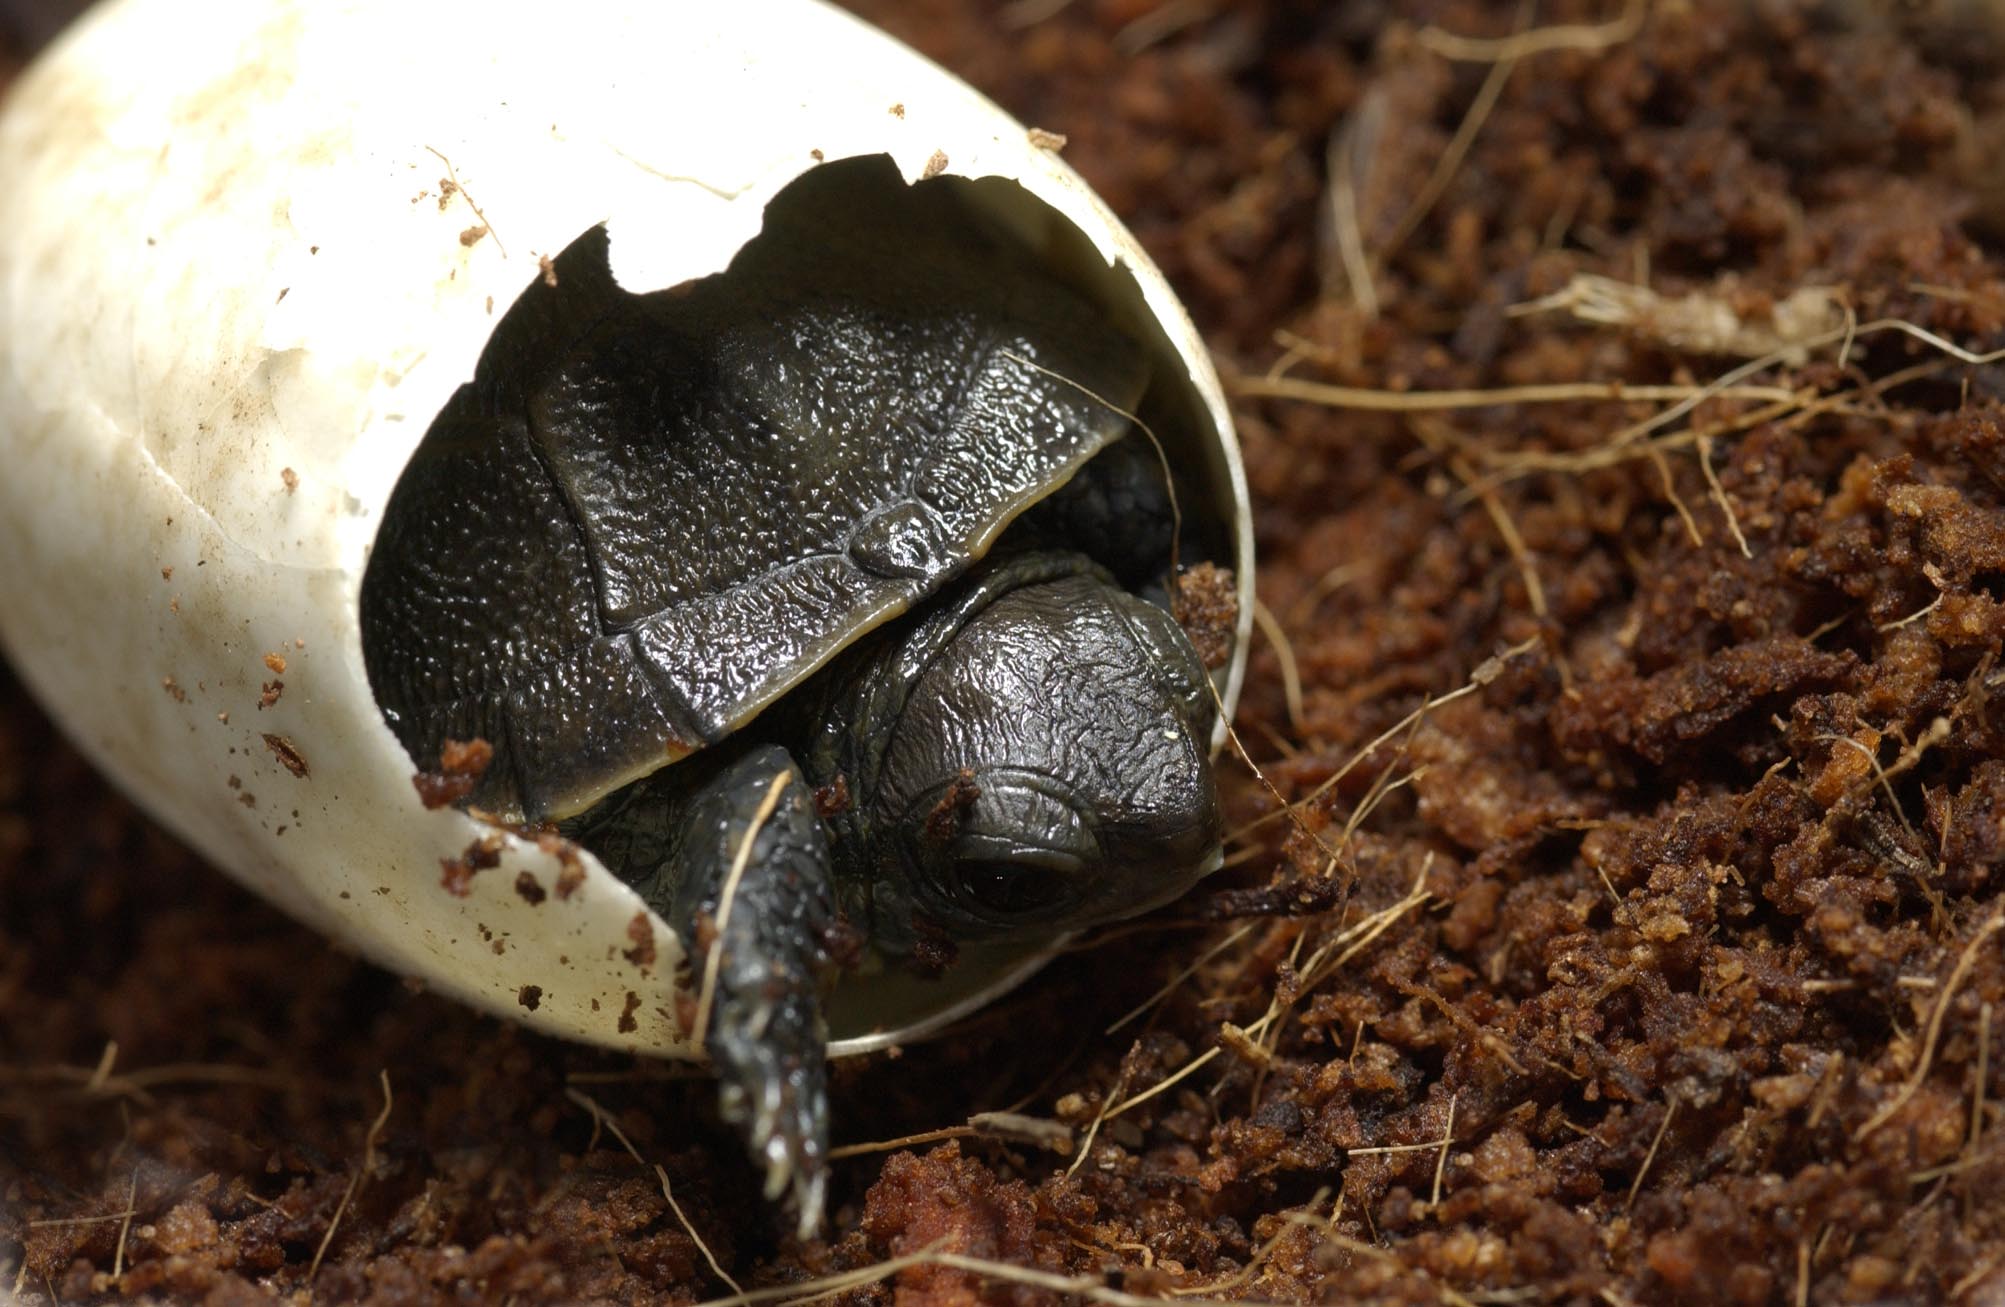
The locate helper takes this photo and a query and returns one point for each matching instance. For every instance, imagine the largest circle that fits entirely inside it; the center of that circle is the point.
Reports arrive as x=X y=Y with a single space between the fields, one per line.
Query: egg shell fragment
x=247 y=252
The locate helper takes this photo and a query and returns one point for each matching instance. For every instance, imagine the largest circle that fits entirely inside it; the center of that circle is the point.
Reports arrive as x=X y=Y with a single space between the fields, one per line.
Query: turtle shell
x=649 y=516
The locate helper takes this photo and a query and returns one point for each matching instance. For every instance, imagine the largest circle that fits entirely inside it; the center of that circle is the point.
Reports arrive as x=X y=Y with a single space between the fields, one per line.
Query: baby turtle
x=754 y=525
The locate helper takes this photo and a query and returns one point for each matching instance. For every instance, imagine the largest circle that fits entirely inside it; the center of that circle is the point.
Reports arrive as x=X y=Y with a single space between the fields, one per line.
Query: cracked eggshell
x=247 y=251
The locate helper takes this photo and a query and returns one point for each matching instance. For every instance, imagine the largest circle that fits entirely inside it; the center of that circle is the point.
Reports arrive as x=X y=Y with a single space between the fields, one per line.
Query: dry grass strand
x=944 y=1133
x=125 y=1225
x=1185 y=974
x=713 y=960
x=1507 y=529
x=1084 y=1287
x=1656 y=1142
x=1719 y=493
x=1486 y=671
x=1284 y=654
x=1367 y=400
x=1982 y=1074
x=1450 y=162
x=1347 y=144
x=102 y=1072
x=1157 y=1088
x=1100 y=1119
x=1584 y=37
x=1965 y=960
x=354 y=1180
x=1441 y=1162
x=460 y=187
x=1701 y=322
x=1290 y=1222
x=1155 y=443
x=601 y=1117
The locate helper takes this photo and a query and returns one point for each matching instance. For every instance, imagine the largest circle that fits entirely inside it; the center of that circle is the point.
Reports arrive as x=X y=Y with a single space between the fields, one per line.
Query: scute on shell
x=649 y=516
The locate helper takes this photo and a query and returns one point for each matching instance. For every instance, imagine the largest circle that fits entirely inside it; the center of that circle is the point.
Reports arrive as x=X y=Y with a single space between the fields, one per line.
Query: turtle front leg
x=757 y=903
x=742 y=871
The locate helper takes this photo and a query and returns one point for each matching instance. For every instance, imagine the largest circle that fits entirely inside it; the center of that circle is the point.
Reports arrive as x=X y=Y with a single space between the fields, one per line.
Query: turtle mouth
x=981 y=847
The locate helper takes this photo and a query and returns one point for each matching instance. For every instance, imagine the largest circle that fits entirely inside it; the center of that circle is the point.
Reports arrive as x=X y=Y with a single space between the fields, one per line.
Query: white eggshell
x=236 y=292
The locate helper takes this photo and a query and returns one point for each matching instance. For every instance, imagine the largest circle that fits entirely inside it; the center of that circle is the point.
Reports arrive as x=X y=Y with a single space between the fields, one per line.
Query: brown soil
x=1662 y=965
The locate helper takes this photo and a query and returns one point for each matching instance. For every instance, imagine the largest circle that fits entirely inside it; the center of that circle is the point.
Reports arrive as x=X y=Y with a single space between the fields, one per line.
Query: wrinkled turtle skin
x=754 y=526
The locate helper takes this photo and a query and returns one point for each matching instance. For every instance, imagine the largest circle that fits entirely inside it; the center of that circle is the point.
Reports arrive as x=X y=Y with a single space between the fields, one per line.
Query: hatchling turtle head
x=1047 y=768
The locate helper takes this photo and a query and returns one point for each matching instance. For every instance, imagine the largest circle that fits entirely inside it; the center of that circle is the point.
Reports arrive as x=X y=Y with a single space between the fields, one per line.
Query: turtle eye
x=1011 y=889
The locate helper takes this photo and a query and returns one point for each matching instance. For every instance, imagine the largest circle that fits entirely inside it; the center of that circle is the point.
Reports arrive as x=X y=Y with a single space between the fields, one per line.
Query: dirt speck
x=288 y=754
x=570 y=862
x=640 y=930
x=530 y=997
x=461 y=765
x=934 y=949
x=944 y=821
x=833 y=798
x=529 y=888
x=456 y=874
x=846 y=943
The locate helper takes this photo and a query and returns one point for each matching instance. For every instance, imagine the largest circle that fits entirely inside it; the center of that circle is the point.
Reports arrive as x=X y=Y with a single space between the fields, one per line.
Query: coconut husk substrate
x=1613 y=910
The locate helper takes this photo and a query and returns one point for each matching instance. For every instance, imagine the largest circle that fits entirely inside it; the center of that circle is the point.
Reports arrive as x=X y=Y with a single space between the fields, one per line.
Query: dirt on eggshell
x=1659 y=960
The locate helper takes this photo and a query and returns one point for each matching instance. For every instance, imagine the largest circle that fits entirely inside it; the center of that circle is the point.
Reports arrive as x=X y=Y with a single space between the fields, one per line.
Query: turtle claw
x=809 y=1195
x=783 y=1073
